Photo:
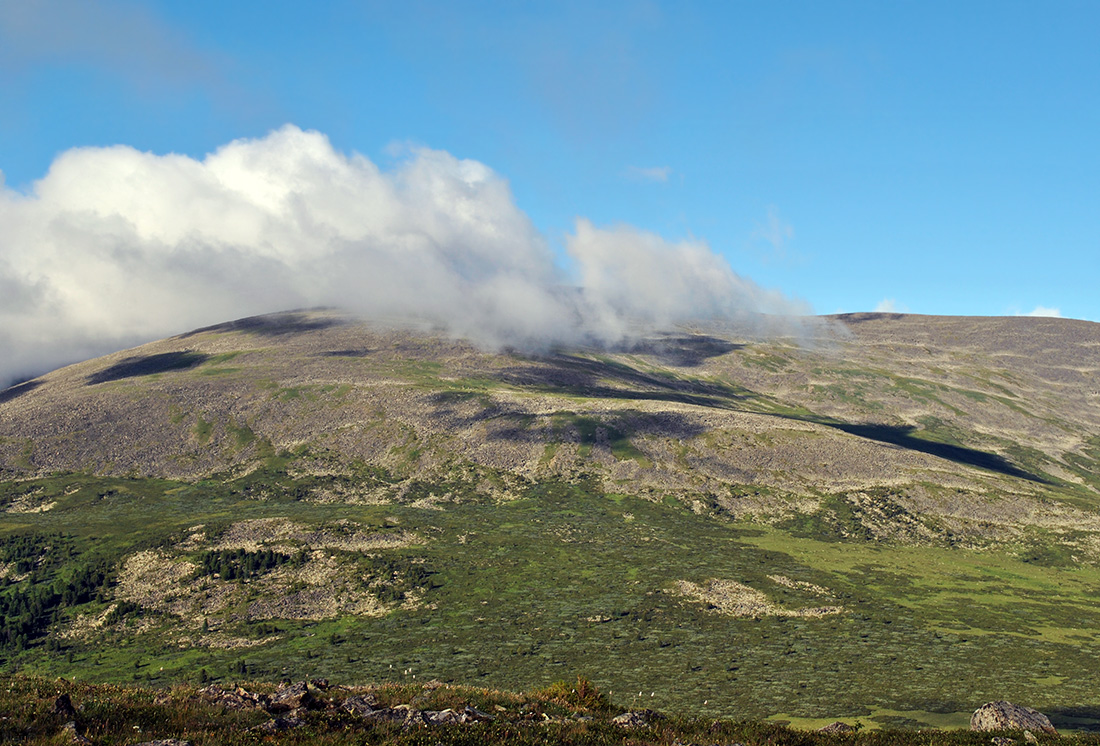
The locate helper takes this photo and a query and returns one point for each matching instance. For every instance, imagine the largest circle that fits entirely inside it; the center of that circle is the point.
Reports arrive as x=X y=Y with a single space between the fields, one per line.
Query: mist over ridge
x=114 y=246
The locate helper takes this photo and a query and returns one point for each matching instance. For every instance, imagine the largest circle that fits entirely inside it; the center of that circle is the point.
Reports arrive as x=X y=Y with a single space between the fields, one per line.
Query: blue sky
x=931 y=157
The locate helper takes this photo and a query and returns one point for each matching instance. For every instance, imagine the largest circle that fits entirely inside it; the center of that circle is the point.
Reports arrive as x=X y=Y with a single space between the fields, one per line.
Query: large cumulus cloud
x=115 y=246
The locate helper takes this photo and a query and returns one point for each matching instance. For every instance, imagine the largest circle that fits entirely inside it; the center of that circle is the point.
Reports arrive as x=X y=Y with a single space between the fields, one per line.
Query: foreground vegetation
x=156 y=582
x=36 y=711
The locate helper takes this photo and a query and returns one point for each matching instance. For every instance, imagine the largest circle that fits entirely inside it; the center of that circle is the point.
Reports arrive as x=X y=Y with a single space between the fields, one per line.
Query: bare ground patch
x=252 y=535
x=736 y=599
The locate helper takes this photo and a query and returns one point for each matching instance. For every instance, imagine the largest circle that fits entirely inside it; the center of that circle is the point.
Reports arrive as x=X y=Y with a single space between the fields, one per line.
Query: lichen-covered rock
x=838 y=727
x=72 y=733
x=360 y=704
x=443 y=717
x=292 y=697
x=1002 y=715
x=637 y=718
x=474 y=715
x=455 y=717
x=239 y=699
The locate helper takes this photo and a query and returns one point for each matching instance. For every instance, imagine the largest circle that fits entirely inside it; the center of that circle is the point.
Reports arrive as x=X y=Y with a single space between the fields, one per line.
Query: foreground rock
x=292 y=702
x=637 y=718
x=838 y=727
x=1002 y=715
x=293 y=697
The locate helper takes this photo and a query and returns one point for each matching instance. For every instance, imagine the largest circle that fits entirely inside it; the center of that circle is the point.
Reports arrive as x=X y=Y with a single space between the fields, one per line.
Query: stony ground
x=971 y=420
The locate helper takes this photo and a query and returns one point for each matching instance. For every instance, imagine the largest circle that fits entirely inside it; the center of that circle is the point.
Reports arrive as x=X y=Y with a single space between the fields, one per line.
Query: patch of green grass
x=592 y=431
x=222 y=358
x=25 y=459
x=242 y=434
x=289 y=393
x=202 y=430
x=769 y=361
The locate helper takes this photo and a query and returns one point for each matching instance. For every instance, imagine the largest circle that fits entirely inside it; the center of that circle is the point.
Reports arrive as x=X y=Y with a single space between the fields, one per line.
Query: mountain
x=887 y=516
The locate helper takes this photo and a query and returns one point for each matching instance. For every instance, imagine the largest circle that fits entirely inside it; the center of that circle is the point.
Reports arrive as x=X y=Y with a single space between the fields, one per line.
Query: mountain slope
x=774 y=525
x=917 y=405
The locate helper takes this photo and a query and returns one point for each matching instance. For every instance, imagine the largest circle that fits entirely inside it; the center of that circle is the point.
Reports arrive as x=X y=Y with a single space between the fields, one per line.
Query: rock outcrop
x=838 y=727
x=637 y=718
x=1003 y=715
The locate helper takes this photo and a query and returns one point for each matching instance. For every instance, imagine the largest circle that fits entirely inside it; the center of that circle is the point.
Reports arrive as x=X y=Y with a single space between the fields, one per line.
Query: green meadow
x=563 y=580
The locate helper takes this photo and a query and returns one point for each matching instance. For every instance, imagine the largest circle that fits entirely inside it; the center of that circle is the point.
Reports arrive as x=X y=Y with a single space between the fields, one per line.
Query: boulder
x=1002 y=715
x=72 y=733
x=359 y=704
x=443 y=717
x=239 y=699
x=292 y=697
x=475 y=715
x=838 y=727
x=400 y=714
x=637 y=718
x=455 y=717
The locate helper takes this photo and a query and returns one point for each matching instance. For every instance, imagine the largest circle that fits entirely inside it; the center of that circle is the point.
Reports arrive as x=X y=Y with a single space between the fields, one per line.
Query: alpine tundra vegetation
x=883 y=517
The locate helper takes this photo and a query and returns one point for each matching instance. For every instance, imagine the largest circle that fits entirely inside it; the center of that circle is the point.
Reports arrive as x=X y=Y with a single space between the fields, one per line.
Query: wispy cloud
x=656 y=174
x=115 y=246
x=889 y=305
x=1043 y=311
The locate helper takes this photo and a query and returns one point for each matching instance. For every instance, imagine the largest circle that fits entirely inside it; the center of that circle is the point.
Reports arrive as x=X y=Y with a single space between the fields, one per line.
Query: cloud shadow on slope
x=571 y=375
x=344 y=353
x=905 y=436
x=270 y=325
x=685 y=351
x=14 y=392
x=583 y=377
x=147 y=365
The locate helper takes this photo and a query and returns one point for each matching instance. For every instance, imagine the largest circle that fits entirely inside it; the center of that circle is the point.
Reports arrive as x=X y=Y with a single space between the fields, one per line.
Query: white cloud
x=629 y=275
x=1043 y=311
x=889 y=305
x=115 y=246
x=656 y=174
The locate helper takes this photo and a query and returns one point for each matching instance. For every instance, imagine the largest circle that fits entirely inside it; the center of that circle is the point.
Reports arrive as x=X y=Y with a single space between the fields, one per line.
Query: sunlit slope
x=940 y=415
x=892 y=518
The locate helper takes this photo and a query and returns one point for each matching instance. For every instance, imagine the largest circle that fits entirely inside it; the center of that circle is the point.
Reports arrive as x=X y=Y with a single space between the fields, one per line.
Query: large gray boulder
x=1007 y=716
